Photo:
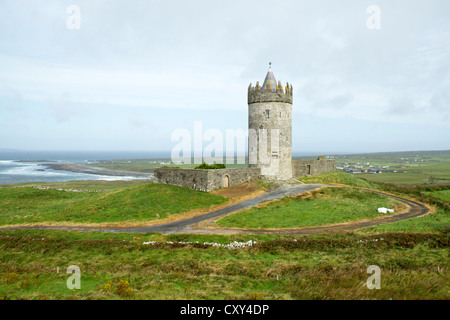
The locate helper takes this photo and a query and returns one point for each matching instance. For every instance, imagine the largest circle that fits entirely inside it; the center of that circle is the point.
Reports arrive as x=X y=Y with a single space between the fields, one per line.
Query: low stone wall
x=206 y=179
x=190 y=178
x=301 y=168
x=234 y=176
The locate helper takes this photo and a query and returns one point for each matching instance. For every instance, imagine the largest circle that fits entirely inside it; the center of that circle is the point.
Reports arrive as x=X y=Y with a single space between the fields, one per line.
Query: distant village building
x=269 y=121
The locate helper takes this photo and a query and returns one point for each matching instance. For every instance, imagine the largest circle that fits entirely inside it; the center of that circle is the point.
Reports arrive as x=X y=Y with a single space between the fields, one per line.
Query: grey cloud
x=401 y=106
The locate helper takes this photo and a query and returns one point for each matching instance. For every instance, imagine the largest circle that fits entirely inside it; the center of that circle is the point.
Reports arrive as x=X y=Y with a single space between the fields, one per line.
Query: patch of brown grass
x=239 y=191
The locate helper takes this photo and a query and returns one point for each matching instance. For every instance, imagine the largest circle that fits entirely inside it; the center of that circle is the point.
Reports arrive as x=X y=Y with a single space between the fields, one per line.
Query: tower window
x=267 y=113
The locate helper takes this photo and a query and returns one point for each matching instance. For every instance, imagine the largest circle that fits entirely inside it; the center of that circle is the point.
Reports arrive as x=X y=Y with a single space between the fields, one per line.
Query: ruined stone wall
x=301 y=168
x=206 y=179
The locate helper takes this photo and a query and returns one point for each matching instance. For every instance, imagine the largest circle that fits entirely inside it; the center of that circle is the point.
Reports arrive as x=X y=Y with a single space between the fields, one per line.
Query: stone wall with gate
x=206 y=179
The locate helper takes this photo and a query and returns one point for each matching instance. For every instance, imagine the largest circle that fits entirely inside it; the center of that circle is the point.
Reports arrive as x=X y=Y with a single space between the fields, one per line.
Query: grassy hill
x=338 y=177
x=321 y=207
x=434 y=195
x=141 y=202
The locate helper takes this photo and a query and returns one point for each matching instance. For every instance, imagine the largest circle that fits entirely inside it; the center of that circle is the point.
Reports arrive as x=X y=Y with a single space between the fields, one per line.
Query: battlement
x=269 y=94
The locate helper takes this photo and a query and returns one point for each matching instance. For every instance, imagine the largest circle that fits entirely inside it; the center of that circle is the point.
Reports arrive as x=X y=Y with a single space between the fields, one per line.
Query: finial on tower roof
x=270 y=84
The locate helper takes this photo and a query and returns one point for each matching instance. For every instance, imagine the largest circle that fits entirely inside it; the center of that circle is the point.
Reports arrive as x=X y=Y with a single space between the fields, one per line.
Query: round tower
x=270 y=128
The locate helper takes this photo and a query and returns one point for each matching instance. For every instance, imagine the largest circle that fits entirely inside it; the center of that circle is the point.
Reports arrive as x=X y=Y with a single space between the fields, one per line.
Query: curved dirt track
x=204 y=224
x=416 y=209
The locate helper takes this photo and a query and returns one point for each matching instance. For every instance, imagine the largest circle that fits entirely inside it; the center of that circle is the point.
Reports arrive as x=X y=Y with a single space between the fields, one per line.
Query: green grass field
x=423 y=174
x=33 y=265
x=325 y=206
x=396 y=159
x=338 y=177
x=417 y=167
x=442 y=194
x=140 y=202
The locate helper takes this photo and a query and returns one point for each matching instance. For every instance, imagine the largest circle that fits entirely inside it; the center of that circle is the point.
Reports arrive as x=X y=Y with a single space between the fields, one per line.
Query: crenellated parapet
x=270 y=94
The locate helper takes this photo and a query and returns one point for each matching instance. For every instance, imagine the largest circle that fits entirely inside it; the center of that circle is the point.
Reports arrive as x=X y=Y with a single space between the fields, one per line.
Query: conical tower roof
x=270 y=84
x=271 y=91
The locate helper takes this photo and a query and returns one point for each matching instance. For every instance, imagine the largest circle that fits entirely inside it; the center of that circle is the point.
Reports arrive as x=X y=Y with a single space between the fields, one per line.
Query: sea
x=29 y=166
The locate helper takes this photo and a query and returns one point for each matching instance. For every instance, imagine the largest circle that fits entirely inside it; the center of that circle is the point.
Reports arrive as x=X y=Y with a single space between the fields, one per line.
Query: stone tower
x=270 y=128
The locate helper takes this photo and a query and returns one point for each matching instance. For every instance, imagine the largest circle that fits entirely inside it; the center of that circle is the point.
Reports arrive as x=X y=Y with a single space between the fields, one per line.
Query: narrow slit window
x=267 y=113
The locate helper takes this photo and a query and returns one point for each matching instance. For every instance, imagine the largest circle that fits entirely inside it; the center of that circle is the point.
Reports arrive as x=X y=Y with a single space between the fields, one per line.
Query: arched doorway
x=226 y=181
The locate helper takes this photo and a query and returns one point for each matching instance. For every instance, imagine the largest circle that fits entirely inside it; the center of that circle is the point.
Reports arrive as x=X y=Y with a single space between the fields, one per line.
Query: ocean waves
x=12 y=171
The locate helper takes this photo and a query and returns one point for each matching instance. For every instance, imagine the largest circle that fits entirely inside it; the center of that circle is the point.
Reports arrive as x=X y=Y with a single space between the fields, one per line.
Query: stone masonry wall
x=235 y=175
x=204 y=179
x=190 y=178
x=301 y=168
x=272 y=117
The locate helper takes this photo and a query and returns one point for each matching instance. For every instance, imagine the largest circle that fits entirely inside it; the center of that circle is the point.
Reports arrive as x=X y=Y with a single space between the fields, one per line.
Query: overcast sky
x=135 y=71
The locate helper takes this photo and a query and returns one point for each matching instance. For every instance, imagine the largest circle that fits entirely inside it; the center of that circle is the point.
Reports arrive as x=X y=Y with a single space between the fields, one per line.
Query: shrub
x=211 y=166
x=120 y=287
x=9 y=278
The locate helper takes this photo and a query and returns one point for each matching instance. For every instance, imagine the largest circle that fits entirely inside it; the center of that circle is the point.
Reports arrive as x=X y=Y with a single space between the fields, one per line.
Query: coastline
x=82 y=168
x=33 y=161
